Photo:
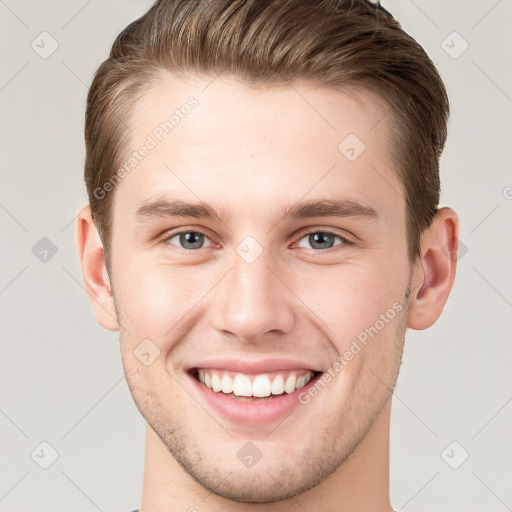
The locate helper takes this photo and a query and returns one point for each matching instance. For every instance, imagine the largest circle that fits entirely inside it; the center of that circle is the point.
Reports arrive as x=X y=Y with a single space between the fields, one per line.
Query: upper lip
x=253 y=366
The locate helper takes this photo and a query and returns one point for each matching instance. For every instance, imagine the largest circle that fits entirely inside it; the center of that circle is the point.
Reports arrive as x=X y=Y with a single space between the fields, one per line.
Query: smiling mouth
x=253 y=387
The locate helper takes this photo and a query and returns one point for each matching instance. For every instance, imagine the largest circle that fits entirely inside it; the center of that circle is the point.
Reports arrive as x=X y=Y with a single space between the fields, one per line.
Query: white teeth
x=278 y=385
x=261 y=385
x=216 y=385
x=227 y=384
x=289 y=385
x=242 y=386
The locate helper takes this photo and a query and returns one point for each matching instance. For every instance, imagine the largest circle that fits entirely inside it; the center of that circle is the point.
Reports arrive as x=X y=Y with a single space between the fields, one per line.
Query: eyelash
x=303 y=234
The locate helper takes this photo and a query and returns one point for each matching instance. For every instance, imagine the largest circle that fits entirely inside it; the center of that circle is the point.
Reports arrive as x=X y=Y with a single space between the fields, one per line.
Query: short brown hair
x=333 y=43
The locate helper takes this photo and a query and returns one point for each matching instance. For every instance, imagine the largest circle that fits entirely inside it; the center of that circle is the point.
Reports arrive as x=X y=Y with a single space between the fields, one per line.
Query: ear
x=94 y=270
x=434 y=271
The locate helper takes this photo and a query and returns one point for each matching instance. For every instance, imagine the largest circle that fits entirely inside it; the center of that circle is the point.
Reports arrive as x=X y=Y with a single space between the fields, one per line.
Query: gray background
x=61 y=376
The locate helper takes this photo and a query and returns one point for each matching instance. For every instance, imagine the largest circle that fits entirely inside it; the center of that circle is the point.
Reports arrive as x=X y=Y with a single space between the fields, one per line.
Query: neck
x=361 y=483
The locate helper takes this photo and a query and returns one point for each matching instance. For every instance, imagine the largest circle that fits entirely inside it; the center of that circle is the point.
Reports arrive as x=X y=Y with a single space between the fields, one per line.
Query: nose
x=253 y=301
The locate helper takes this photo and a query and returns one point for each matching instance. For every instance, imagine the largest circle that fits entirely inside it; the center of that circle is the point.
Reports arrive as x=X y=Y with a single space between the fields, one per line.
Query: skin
x=254 y=153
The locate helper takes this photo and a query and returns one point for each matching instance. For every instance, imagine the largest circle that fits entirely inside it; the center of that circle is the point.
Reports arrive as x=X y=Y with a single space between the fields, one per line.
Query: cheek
x=159 y=289
x=161 y=302
x=350 y=301
x=152 y=298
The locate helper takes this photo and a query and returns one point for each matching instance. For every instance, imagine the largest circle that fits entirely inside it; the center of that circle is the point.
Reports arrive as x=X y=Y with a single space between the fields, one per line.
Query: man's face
x=260 y=291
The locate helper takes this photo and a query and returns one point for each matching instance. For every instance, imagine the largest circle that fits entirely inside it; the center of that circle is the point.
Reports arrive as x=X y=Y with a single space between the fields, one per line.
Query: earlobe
x=434 y=271
x=94 y=271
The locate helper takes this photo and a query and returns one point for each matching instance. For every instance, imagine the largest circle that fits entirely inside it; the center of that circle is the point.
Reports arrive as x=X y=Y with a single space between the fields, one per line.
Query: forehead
x=217 y=139
x=282 y=113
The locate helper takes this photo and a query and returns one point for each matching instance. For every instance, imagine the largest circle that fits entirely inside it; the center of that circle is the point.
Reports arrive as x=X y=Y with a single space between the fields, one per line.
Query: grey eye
x=321 y=240
x=189 y=239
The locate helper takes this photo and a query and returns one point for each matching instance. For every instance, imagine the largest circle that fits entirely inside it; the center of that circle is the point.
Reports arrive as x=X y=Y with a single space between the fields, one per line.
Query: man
x=263 y=226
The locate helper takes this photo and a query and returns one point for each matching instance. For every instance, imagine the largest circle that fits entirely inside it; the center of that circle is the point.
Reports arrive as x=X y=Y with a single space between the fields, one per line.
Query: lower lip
x=253 y=413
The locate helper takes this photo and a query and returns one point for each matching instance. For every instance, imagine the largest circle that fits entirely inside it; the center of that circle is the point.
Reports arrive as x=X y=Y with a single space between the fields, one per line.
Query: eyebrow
x=302 y=210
